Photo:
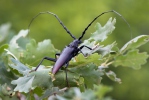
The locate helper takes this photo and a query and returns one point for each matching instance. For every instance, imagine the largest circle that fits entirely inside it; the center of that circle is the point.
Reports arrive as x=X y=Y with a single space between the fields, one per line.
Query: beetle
x=72 y=49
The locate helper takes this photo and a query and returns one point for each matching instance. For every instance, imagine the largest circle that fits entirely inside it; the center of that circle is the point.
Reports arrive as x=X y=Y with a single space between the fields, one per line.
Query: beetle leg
x=85 y=46
x=82 y=53
x=82 y=48
x=47 y=58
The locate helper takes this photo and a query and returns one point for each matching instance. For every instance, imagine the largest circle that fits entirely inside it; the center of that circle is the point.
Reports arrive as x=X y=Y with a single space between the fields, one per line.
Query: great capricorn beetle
x=73 y=48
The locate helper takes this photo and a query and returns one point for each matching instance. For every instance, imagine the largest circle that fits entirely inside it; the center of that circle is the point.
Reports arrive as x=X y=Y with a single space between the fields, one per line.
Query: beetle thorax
x=75 y=43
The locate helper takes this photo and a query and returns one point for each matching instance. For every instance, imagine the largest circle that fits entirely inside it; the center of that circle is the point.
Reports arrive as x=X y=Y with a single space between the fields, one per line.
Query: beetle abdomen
x=63 y=59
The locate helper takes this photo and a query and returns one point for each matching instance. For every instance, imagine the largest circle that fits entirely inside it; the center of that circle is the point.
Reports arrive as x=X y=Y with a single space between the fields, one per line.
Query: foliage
x=21 y=55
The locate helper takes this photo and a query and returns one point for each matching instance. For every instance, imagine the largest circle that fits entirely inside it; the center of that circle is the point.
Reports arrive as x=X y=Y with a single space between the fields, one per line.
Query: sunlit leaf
x=19 y=66
x=3 y=47
x=42 y=74
x=135 y=43
x=31 y=79
x=13 y=42
x=104 y=50
x=102 y=32
x=99 y=36
x=80 y=60
x=132 y=59
x=113 y=77
x=24 y=84
x=35 y=52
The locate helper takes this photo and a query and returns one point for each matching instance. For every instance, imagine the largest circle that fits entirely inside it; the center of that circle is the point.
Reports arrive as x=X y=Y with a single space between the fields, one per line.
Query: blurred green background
x=76 y=15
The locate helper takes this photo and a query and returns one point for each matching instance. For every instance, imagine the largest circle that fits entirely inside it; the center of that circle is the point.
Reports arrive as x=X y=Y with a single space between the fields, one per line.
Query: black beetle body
x=67 y=54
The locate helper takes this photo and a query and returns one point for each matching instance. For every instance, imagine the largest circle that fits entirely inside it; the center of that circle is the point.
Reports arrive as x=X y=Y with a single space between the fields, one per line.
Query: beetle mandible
x=73 y=48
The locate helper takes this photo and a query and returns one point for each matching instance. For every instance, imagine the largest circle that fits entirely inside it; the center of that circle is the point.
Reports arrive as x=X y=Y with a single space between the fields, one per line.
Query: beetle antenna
x=56 y=18
x=99 y=16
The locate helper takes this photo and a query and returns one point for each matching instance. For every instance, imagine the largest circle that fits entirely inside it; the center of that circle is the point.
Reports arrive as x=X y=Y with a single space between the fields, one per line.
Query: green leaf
x=11 y=54
x=6 y=75
x=22 y=69
x=101 y=33
x=81 y=84
x=3 y=47
x=90 y=74
x=60 y=78
x=31 y=80
x=35 y=52
x=13 y=41
x=99 y=36
x=42 y=74
x=13 y=44
x=104 y=50
x=7 y=93
x=53 y=91
x=135 y=43
x=101 y=90
x=39 y=78
x=24 y=84
x=132 y=59
x=113 y=77
x=22 y=41
x=80 y=60
x=74 y=93
x=97 y=93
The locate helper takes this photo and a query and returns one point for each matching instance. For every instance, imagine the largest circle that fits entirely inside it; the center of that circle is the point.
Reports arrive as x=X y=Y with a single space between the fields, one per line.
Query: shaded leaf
x=60 y=78
x=53 y=91
x=90 y=74
x=7 y=93
x=74 y=93
x=6 y=76
x=97 y=93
